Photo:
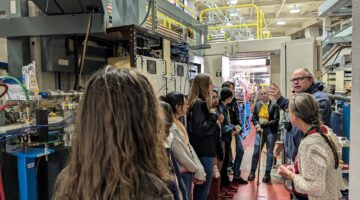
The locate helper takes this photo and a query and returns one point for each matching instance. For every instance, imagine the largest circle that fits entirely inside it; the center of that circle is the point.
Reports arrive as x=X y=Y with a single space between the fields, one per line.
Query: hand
x=234 y=133
x=198 y=181
x=274 y=91
x=212 y=110
x=258 y=128
x=221 y=118
x=284 y=171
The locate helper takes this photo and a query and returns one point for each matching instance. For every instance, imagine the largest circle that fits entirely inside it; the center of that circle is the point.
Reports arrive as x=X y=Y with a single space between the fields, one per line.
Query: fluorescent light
x=234 y=14
x=233 y=2
x=221 y=30
x=229 y=24
x=266 y=31
x=249 y=62
x=294 y=9
x=280 y=23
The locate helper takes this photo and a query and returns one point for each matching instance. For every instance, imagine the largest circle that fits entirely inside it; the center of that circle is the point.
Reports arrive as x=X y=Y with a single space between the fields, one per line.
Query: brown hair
x=305 y=107
x=200 y=89
x=228 y=84
x=115 y=148
x=169 y=116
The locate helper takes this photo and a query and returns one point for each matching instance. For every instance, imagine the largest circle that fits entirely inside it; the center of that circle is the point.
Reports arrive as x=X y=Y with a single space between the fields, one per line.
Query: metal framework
x=259 y=24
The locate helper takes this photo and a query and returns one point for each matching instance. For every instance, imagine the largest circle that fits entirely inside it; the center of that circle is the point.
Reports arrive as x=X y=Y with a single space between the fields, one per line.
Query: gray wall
x=213 y=56
x=212 y=64
x=275 y=69
x=297 y=54
x=355 y=107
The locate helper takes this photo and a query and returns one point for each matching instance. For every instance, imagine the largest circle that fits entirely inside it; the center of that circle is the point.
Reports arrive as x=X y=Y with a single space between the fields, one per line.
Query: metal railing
x=259 y=24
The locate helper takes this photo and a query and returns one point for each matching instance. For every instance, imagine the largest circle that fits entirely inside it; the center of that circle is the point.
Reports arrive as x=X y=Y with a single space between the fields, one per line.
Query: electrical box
x=180 y=71
x=57 y=55
x=155 y=70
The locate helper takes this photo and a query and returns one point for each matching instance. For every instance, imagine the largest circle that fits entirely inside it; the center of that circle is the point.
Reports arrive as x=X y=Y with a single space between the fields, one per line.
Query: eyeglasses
x=299 y=78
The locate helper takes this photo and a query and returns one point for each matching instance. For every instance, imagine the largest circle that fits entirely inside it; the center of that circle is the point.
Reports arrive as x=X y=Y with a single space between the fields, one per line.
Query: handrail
x=338 y=97
x=233 y=26
x=257 y=24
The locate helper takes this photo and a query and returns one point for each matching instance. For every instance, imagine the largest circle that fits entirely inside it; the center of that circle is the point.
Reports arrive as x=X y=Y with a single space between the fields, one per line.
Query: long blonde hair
x=200 y=89
x=117 y=143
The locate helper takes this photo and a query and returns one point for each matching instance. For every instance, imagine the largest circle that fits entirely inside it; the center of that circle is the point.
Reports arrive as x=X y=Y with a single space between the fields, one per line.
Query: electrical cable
x=6 y=88
x=147 y=12
x=25 y=91
x=84 y=48
x=24 y=130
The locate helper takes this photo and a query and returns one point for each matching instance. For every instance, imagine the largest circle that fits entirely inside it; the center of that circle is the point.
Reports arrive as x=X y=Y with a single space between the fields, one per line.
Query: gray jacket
x=185 y=154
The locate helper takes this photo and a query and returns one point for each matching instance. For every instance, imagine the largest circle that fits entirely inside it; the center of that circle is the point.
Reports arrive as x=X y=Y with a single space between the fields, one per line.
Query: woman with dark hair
x=315 y=172
x=116 y=152
x=202 y=129
x=190 y=165
x=177 y=186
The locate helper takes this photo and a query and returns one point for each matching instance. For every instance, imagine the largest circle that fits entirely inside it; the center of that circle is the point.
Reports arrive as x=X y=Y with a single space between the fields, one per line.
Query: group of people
x=129 y=144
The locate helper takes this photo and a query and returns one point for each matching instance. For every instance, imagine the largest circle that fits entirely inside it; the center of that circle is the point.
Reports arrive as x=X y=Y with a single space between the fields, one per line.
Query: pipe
x=279 y=11
x=338 y=97
x=232 y=26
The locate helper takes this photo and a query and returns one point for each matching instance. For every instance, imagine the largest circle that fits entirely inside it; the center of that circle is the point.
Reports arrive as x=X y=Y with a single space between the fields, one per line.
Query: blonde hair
x=200 y=89
x=115 y=148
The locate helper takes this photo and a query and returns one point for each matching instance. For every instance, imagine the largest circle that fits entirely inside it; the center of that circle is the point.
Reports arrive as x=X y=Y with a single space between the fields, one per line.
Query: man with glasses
x=266 y=121
x=302 y=82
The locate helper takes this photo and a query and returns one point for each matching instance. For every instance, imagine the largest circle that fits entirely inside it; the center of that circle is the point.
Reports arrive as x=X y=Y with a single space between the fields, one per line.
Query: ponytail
x=316 y=125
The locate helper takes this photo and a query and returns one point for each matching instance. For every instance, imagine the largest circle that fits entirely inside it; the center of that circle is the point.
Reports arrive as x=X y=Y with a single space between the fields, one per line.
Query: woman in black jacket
x=202 y=129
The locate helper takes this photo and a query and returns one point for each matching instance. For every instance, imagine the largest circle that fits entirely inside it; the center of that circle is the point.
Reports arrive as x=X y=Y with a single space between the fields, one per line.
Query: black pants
x=223 y=174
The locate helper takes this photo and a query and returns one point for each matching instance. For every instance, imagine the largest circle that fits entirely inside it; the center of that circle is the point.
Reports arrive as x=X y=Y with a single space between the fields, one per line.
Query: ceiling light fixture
x=229 y=24
x=233 y=2
x=295 y=9
x=234 y=14
x=280 y=23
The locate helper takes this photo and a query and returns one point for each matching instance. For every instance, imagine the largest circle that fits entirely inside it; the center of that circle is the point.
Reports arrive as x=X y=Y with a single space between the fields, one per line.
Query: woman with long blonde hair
x=117 y=153
x=202 y=129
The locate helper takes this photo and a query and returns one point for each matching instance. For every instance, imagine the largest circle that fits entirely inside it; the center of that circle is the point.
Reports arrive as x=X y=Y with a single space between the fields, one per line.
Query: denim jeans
x=188 y=179
x=269 y=139
x=201 y=191
x=239 y=156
